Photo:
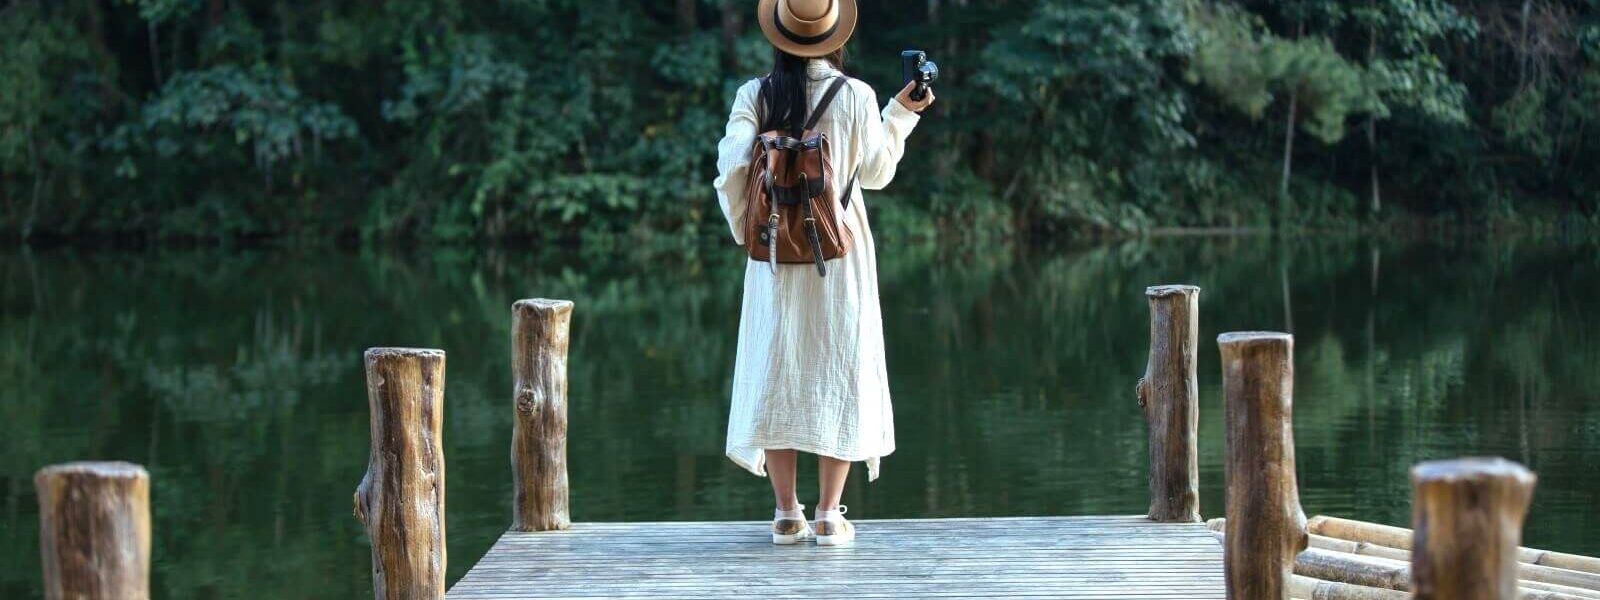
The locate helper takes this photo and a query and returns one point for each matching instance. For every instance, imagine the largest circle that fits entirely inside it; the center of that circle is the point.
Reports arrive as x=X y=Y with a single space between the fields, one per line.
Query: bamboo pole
x=1467 y=514
x=1306 y=588
x=1170 y=398
x=94 y=531
x=540 y=333
x=401 y=498
x=1359 y=570
x=1565 y=580
x=1399 y=537
x=1265 y=527
x=1374 y=572
x=1323 y=542
x=1527 y=573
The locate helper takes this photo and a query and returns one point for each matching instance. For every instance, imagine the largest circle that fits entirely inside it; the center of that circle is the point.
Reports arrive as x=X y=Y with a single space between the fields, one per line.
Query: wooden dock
x=1055 y=557
x=1463 y=544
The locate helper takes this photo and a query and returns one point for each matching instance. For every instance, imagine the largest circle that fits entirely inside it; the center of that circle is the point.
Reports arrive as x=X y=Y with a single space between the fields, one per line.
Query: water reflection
x=235 y=377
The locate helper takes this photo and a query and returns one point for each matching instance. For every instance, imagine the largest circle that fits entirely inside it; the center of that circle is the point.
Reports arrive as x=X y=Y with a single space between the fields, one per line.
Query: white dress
x=810 y=371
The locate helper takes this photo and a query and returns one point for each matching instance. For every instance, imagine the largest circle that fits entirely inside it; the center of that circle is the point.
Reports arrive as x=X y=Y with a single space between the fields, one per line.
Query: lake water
x=235 y=377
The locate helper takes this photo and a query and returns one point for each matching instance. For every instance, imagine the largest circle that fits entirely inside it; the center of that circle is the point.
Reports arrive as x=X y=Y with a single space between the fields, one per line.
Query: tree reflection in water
x=236 y=379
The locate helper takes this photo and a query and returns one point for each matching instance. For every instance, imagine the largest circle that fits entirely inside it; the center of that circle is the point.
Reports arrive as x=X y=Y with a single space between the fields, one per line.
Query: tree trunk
x=94 y=22
x=539 y=339
x=1288 y=144
x=983 y=159
x=732 y=27
x=1375 y=204
x=155 y=52
x=1467 y=514
x=1371 y=363
x=1266 y=527
x=1288 y=153
x=1288 y=300
x=1170 y=397
x=687 y=19
x=1524 y=52
x=401 y=498
x=38 y=185
x=94 y=531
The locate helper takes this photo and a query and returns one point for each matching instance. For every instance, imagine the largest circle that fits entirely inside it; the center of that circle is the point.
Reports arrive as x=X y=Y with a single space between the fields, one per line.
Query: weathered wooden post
x=401 y=498
x=1265 y=527
x=1170 y=397
x=94 y=531
x=1467 y=514
x=540 y=332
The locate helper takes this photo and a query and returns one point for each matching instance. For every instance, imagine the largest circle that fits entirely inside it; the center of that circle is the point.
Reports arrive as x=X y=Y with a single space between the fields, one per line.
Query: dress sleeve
x=882 y=137
x=733 y=157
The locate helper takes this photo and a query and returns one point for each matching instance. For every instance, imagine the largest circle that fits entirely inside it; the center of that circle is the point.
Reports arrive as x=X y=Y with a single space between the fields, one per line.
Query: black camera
x=915 y=66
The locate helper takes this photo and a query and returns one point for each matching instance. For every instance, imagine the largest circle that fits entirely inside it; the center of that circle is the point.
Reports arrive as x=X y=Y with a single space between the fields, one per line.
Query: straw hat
x=808 y=28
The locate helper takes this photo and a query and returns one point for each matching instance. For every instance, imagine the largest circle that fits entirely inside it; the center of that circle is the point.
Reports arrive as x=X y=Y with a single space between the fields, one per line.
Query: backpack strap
x=850 y=189
x=827 y=98
x=814 y=238
x=822 y=106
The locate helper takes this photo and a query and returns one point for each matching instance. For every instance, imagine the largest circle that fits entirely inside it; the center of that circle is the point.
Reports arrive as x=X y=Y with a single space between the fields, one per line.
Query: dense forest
x=595 y=121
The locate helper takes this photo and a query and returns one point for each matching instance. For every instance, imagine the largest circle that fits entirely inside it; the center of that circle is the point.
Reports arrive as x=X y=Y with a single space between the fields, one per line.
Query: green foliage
x=1521 y=119
x=1247 y=67
x=43 y=134
x=594 y=121
x=198 y=114
x=1085 y=93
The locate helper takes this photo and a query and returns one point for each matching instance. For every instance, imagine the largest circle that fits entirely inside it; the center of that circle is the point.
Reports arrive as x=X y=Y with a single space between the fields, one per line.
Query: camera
x=915 y=66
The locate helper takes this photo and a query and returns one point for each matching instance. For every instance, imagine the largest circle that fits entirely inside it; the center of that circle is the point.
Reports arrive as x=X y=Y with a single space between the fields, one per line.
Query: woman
x=810 y=373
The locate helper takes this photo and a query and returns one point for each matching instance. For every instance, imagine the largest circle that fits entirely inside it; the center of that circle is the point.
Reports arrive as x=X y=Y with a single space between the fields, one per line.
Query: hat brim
x=766 y=13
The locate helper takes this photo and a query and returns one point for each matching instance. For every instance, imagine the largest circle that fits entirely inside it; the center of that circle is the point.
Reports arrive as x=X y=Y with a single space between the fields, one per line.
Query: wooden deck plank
x=1058 y=557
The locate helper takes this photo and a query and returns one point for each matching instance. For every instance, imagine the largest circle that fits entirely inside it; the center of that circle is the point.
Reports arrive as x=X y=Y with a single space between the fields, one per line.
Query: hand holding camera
x=918 y=72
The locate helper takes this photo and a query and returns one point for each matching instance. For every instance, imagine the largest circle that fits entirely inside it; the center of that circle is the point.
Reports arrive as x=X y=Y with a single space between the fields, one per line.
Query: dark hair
x=784 y=92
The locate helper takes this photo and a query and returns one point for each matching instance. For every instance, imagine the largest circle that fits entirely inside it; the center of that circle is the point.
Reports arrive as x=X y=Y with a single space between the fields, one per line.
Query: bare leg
x=831 y=475
x=781 y=466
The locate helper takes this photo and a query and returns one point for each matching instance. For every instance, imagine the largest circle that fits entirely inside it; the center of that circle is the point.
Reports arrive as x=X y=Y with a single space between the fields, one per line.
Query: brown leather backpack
x=792 y=213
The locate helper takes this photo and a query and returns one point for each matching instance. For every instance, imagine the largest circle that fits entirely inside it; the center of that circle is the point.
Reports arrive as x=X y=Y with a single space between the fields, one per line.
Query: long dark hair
x=784 y=92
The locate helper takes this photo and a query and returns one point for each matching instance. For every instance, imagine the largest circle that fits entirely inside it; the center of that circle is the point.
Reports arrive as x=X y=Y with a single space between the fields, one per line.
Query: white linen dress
x=810 y=373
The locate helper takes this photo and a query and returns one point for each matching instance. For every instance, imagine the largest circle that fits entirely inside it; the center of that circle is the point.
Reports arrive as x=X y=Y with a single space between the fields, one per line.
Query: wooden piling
x=1467 y=514
x=94 y=531
x=539 y=338
x=1169 y=396
x=401 y=498
x=1266 y=527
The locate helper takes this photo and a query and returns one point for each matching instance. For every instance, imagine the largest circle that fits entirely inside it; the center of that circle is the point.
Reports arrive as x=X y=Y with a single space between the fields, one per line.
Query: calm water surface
x=236 y=379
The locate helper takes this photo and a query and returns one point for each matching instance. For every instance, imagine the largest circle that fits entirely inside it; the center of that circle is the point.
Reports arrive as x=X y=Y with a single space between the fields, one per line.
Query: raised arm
x=733 y=156
x=882 y=135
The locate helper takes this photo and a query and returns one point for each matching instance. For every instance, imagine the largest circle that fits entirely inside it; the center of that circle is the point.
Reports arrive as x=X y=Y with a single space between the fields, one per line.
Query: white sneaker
x=790 y=526
x=832 y=528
